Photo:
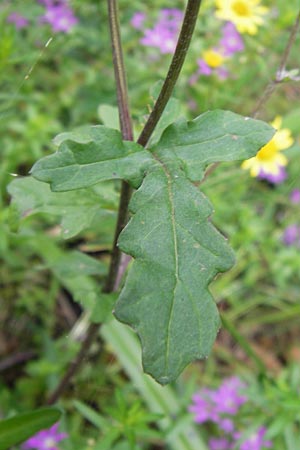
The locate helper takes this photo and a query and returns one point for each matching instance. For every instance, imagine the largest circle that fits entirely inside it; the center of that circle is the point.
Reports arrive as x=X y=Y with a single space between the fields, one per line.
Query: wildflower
x=219 y=444
x=291 y=235
x=204 y=407
x=295 y=196
x=164 y=34
x=246 y=15
x=228 y=398
x=18 y=20
x=231 y=41
x=45 y=439
x=137 y=20
x=269 y=162
x=256 y=441
x=211 y=62
x=277 y=178
x=60 y=16
x=215 y=405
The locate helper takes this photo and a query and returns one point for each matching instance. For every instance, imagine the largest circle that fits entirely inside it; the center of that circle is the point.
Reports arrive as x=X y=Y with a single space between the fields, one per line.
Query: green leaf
x=109 y=116
x=214 y=136
x=177 y=250
x=177 y=253
x=77 y=209
x=19 y=428
x=100 y=155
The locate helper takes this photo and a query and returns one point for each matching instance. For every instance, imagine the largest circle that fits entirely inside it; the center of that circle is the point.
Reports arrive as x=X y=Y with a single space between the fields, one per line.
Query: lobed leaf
x=177 y=253
x=177 y=250
x=98 y=155
x=214 y=136
x=77 y=209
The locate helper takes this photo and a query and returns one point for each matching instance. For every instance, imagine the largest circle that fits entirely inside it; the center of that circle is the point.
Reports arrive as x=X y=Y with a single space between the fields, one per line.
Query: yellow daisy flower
x=269 y=159
x=213 y=58
x=245 y=14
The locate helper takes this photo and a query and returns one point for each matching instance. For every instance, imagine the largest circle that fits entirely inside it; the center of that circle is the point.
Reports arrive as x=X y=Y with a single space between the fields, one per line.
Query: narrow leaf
x=100 y=155
x=19 y=428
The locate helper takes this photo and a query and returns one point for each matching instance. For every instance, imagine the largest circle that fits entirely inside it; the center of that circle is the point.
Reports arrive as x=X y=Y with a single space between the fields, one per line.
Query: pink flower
x=165 y=32
x=18 y=20
x=219 y=444
x=138 y=20
x=59 y=15
x=45 y=439
x=295 y=196
x=231 y=41
x=291 y=235
x=256 y=441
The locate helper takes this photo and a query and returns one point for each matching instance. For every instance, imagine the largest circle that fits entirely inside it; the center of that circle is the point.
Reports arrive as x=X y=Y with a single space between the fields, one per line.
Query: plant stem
x=280 y=74
x=127 y=134
x=183 y=43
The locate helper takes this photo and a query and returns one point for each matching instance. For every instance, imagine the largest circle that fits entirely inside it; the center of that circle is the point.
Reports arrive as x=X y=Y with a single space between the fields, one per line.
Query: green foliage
x=77 y=210
x=21 y=427
x=99 y=155
x=177 y=251
x=120 y=421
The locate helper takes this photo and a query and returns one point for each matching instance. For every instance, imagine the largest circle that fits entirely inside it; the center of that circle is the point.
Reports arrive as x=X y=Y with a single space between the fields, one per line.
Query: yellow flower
x=213 y=58
x=269 y=159
x=245 y=14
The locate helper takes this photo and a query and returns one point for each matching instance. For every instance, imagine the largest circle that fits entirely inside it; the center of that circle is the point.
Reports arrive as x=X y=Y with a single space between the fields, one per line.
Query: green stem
x=127 y=134
x=183 y=44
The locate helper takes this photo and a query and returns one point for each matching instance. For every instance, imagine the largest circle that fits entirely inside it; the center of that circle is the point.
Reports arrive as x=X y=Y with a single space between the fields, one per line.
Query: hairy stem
x=280 y=74
x=183 y=43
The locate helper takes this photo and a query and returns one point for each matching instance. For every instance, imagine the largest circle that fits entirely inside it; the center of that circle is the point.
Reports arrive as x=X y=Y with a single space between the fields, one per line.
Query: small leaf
x=177 y=250
x=103 y=157
x=20 y=428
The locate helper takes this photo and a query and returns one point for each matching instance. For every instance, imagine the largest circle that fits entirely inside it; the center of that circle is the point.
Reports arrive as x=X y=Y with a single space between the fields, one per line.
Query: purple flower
x=228 y=398
x=216 y=405
x=256 y=441
x=60 y=16
x=204 y=407
x=18 y=20
x=231 y=41
x=164 y=33
x=291 y=235
x=219 y=444
x=138 y=20
x=273 y=178
x=295 y=196
x=45 y=439
x=160 y=38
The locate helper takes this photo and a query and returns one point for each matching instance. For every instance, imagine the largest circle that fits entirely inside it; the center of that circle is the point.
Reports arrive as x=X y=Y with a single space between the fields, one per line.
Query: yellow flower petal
x=283 y=139
x=245 y=14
